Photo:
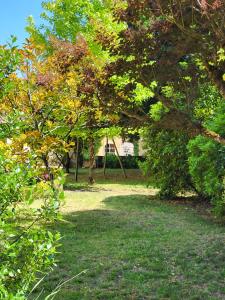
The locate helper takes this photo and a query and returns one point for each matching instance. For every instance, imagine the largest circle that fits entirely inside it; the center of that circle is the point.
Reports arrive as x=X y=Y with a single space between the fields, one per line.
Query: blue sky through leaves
x=13 y=14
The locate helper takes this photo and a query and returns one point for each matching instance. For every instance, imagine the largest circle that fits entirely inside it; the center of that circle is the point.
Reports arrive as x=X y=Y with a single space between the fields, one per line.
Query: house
x=116 y=146
x=123 y=148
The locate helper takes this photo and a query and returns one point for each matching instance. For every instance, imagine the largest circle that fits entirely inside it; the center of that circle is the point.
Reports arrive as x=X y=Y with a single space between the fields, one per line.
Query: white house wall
x=123 y=148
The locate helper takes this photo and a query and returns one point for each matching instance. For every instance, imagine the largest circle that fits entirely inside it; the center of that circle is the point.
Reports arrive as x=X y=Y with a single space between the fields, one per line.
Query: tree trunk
x=67 y=163
x=213 y=136
x=178 y=120
x=77 y=158
x=91 y=160
x=118 y=156
x=51 y=176
x=105 y=158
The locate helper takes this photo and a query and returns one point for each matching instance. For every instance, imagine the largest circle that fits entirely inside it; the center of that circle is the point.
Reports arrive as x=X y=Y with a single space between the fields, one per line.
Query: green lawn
x=133 y=246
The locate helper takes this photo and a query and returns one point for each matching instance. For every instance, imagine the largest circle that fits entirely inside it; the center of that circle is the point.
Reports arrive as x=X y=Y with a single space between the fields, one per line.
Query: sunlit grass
x=133 y=246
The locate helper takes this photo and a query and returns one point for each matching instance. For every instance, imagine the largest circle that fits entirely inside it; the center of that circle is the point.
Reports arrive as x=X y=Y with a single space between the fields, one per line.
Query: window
x=110 y=148
x=127 y=149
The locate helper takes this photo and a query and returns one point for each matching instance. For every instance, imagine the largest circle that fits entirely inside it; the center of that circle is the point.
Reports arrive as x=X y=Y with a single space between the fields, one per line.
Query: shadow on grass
x=147 y=201
x=91 y=240
x=135 y=201
x=138 y=248
x=106 y=219
x=82 y=187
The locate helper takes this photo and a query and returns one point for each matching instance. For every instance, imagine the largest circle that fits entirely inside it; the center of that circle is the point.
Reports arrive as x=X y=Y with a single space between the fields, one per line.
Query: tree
x=26 y=249
x=168 y=48
x=79 y=59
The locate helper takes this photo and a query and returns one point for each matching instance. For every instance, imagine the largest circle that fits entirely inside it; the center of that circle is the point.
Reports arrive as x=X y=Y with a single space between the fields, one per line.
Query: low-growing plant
x=26 y=249
x=129 y=162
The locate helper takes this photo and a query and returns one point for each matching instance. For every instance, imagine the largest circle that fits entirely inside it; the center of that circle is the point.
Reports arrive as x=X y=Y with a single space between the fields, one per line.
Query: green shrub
x=25 y=248
x=129 y=162
x=112 y=161
x=166 y=161
x=207 y=163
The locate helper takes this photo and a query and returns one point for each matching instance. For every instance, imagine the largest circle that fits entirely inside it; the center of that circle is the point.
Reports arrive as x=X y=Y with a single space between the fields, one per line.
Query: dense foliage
x=129 y=162
x=100 y=68
x=27 y=251
x=167 y=50
x=207 y=164
x=166 y=161
x=176 y=163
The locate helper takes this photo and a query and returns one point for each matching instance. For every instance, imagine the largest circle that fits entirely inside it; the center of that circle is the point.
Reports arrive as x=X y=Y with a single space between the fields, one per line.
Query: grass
x=113 y=176
x=133 y=246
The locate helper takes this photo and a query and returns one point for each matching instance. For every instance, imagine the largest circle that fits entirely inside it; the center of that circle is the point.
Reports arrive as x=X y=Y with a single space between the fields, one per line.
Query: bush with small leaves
x=207 y=163
x=166 y=161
